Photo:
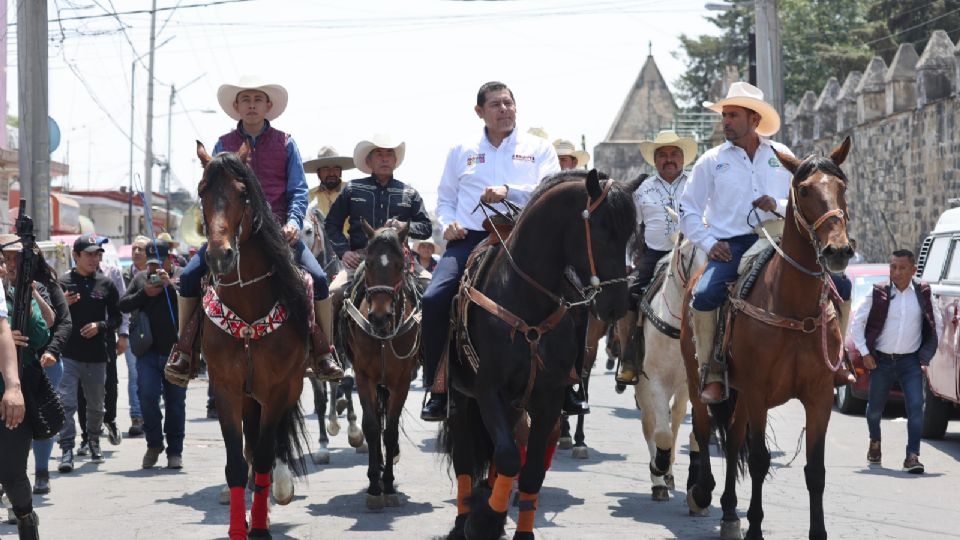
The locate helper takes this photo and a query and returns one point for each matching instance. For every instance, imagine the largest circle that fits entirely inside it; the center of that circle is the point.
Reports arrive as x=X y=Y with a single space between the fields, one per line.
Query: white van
x=939 y=264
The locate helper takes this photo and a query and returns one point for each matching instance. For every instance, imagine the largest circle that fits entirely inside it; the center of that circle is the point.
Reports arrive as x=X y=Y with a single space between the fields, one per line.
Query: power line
x=140 y=11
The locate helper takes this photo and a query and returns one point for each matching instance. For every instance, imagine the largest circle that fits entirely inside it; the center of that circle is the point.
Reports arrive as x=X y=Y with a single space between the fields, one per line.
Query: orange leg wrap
x=464 y=488
x=501 y=493
x=528 y=510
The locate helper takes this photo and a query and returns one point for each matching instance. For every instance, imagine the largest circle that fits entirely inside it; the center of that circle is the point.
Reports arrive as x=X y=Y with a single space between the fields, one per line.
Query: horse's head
x=383 y=275
x=226 y=191
x=819 y=205
x=597 y=241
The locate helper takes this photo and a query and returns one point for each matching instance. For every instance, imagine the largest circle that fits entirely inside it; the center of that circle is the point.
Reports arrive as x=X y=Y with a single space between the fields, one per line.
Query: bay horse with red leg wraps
x=783 y=342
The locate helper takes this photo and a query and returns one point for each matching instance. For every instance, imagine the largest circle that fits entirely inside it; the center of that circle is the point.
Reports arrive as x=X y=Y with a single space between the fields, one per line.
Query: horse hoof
x=375 y=503
x=363 y=448
x=730 y=530
x=619 y=388
x=671 y=483
x=259 y=533
x=580 y=452
x=609 y=365
x=282 y=487
x=321 y=457
x=354 y=436
x=341 y=405
x=696 y=510
x=392 y=500
x=333 y=428
x=565 y=443
x=660 y=493
x=224 y=497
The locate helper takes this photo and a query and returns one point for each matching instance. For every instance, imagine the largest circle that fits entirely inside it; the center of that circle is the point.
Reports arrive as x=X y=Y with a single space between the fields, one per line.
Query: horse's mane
x=287 y=284
x=823 y=164
x=619 y=199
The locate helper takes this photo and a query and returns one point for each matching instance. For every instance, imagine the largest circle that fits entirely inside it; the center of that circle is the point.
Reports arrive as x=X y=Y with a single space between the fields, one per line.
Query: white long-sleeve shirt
x=652 y=199
x=722 y=187
x=903 y=330
x=520 y=162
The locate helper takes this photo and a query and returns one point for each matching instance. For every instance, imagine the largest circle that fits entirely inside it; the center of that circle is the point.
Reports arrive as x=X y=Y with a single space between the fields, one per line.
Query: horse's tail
x=291 y=439
x=465 y=434
x=722 y=416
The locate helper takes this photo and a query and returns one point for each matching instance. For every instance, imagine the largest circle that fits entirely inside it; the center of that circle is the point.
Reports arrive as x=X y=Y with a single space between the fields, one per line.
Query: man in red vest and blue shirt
x=896 y=329
x=275 y=159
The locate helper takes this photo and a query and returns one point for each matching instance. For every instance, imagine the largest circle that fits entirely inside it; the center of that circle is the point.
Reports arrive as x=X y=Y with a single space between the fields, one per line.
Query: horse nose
x=220 y=261
x=834 y=252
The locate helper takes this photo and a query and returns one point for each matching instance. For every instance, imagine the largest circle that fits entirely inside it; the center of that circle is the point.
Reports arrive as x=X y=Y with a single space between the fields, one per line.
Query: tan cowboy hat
x=567 y=148
x=668 y=137
x=165 y=237
x=363 y=149
x=747 y=95
x=538 y=132
x=227 y=95
x=328 y=157
x=10 y=242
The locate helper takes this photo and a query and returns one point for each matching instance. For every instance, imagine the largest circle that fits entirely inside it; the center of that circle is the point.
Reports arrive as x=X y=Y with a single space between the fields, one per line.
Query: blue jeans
x=43 y=449
x=437 y=298
x=132 y=396
x=907 y=370
x=711 y=291
x=193 y=273
x=150 y=384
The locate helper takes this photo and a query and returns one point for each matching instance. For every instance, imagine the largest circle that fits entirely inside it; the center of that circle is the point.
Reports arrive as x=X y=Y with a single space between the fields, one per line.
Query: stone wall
x=905 y=160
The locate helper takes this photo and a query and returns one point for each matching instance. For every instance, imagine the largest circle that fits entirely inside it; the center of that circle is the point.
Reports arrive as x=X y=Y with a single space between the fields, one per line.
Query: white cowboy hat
x=363 y=149
x=747 y=95
x=328 y=157
x=567 y=148
x=227 y=95
x=538 y=132
x=668 y=137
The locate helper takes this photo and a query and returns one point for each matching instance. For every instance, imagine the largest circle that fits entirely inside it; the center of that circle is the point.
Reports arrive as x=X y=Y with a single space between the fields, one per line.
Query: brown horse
x=382 y=337
x=254 y=334
x=783 y=343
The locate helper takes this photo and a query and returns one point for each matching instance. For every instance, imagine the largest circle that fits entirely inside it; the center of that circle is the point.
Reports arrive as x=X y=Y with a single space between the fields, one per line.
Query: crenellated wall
x=905 y=161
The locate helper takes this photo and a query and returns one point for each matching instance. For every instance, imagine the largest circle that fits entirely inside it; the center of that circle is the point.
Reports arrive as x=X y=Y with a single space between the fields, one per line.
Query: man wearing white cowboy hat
x=380 y=199
x=275 y=159
x=500 y=164
x=569 y=156
x=329 y=167
x=657 y=200
x=729 y=183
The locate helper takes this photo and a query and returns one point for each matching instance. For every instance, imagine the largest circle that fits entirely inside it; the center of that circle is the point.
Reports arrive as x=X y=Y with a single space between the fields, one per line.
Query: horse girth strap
x=531 y=333
x=658 y=323
x=806 y=325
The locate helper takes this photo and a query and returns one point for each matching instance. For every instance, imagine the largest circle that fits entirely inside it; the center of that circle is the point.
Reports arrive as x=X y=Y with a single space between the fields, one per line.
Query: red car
x=852 y=398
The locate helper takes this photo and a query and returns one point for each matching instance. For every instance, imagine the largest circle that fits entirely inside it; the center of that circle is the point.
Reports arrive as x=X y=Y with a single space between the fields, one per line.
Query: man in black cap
x=153 y=292
x=93 y=309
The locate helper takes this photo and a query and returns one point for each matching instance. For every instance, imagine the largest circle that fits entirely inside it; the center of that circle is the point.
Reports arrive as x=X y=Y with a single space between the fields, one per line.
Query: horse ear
x=370 y=232
x=402 y=231
x=839 y=154
x=244 y=153
x=202 y=154
x=790 y=162
x=593 y=184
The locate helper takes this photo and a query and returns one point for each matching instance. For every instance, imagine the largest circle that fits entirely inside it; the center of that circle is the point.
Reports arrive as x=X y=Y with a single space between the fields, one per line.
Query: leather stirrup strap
x=188 y=341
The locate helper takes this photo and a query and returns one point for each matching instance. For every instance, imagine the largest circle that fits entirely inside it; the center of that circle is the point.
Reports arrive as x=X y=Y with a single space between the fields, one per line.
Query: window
x=953 y=271
x=937 y=255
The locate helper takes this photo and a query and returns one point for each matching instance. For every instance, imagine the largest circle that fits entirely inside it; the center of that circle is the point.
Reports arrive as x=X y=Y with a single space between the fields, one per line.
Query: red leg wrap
x=238 y=514
x=261 y=493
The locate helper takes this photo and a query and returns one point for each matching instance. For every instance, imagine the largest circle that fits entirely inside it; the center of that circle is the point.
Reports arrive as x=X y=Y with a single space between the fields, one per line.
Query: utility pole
x=148 y=159
x=165 y=184
x=34 y=162
x=133 y=88
x=769 y=73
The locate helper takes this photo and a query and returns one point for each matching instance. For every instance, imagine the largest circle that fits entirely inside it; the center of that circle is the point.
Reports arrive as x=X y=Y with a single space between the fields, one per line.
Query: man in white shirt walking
x=732 y=188
x=896 y=329
x=501 y=164
x=655 y=199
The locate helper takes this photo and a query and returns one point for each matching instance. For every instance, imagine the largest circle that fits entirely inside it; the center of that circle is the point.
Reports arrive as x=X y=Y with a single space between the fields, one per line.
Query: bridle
x=245 y=202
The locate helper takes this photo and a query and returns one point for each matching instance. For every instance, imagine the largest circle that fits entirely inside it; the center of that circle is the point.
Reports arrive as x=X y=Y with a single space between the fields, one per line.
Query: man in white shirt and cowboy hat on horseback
x=658 y=205
x=275 y=159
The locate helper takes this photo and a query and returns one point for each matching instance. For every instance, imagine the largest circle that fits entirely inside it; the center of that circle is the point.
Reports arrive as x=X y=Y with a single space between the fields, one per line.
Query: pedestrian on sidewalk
x=897 y=330
x=153 y=292
x=138 y=251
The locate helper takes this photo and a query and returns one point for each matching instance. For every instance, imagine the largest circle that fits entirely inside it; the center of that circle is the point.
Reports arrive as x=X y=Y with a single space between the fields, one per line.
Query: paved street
x=605 y=496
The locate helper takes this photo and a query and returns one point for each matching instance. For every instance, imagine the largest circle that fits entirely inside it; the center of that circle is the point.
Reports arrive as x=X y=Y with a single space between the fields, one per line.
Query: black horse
x=574 y=230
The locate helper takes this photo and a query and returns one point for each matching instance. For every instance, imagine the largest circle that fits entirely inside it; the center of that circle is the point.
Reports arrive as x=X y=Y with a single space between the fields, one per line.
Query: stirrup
x=724 y=384
x=174 y=376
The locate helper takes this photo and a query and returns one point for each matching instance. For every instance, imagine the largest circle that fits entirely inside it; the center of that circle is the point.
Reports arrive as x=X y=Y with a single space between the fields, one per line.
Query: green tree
x=708 y=56
x=892 y=22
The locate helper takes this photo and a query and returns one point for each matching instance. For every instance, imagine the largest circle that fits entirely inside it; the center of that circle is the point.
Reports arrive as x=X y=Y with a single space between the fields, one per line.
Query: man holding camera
x=153 y=292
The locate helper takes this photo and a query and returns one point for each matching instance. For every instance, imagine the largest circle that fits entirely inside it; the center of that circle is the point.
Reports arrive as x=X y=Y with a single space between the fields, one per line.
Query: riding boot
x=435 y=409
x=28 y=526
x=573 y=404
x=844 y=375
x=325 y=365
x=179 y=369
x=704 y=324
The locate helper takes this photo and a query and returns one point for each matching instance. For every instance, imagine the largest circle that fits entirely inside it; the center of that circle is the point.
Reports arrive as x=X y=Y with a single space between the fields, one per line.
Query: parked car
x=852 y=398
x=939 y=265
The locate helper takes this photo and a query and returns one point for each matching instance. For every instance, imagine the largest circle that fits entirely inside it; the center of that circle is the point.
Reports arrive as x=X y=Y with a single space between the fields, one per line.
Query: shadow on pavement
x=353 y=506
x=206 y=501
x=672 y=515
x=565 y=463
x=894 y=472
x=552 y=502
